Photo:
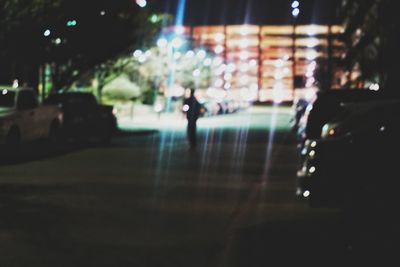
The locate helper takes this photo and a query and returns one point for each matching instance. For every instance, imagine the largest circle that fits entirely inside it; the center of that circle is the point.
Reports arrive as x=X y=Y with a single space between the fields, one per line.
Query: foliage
x=102 y=30
x=121 y=89
x=156 y=71
x=163 y=68
x=372 y=40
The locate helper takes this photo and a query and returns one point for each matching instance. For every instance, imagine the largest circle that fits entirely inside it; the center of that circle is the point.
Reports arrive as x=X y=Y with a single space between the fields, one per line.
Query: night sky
x=215 y=12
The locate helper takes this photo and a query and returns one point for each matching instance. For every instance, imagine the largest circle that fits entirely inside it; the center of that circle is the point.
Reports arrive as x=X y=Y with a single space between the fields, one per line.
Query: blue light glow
x=180 y=13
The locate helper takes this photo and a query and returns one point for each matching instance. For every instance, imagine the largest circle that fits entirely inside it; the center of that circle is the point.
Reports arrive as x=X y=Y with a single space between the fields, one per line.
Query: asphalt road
x=147 y=200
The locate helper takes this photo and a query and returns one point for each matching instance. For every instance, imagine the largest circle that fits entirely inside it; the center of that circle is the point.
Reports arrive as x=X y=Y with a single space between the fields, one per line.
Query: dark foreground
x=147 y=200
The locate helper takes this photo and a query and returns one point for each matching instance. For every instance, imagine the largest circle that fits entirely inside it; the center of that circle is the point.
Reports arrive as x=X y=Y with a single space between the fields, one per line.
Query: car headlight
x=311 y=154
x=310 y=144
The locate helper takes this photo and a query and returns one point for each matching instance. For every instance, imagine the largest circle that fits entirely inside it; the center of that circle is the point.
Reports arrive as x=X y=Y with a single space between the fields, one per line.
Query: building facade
x=268 y=63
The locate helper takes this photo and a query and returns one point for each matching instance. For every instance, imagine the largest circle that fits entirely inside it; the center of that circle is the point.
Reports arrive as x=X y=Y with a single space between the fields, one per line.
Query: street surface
x=147 y=200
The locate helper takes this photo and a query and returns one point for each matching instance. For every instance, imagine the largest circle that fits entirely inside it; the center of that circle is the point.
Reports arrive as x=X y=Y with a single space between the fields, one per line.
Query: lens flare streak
x=270 y=143
x=240 y=147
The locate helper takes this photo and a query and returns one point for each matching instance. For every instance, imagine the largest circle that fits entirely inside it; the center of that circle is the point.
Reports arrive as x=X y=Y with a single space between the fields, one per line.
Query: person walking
x=192 y=108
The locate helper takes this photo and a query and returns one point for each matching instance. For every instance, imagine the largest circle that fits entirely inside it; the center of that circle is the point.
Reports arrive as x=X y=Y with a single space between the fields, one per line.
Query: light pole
x=295 y=14
x=171 y=48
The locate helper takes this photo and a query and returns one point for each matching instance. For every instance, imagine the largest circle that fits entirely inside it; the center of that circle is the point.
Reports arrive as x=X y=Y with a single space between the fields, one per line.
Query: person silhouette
x=192 y=108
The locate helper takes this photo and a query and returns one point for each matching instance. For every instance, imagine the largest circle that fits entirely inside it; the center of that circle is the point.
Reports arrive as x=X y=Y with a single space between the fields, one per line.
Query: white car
x=23 y=119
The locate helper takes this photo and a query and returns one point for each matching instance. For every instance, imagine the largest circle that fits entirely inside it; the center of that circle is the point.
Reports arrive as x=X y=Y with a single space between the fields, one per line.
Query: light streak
x=180 y=13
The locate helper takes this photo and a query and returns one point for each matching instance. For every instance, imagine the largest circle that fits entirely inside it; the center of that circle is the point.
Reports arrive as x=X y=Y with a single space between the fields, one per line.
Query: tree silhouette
x=372 y=39
x=81 y=35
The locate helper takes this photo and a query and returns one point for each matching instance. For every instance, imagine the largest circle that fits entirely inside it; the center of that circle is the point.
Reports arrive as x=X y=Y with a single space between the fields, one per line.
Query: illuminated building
x=258 y=60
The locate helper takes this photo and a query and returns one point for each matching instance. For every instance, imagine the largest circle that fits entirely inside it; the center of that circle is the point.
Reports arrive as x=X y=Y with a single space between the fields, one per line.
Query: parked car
x=298 y=109
x=331 y=106
x=327 y=105
x=23 y=119
x=354 y=162
x=84 y=117
x=360 y=117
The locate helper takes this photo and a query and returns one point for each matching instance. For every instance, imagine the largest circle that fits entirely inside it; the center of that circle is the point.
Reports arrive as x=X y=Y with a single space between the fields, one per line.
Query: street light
x=141 y=3
x=71 y=23
x=162 y=43
x=177 y=42
x=295 y=14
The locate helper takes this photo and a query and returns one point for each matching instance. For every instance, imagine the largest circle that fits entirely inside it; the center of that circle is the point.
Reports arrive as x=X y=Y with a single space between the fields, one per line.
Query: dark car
x=84 y=117
x=355 y=162
x=332 y=106
x=299 y=108
x=329 y=104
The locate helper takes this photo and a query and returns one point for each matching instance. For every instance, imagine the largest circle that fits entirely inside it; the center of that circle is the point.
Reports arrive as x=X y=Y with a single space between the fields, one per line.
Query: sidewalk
x=145 y=118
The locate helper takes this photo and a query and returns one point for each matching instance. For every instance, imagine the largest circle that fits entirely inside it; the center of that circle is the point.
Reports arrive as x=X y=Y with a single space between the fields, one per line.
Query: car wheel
x=108 y=132
x=106 y=136
x=13 y=141
x=82 y=137
x=54 y=133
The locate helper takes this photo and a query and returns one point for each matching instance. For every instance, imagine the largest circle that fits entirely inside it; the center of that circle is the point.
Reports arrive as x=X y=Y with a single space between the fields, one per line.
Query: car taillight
x=332 y=132
x=329 y=131
x=60 y=117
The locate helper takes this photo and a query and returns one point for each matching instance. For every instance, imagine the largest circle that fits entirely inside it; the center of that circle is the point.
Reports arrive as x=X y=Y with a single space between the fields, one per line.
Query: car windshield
x=7 y=98
x=72 y=99
x=342 y=114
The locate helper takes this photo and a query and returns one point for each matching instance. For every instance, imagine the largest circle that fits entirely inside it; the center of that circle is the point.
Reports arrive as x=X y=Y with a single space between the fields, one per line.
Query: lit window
x=219 y=49
x=244 y=55
x=244 y=43
x=219 y=37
